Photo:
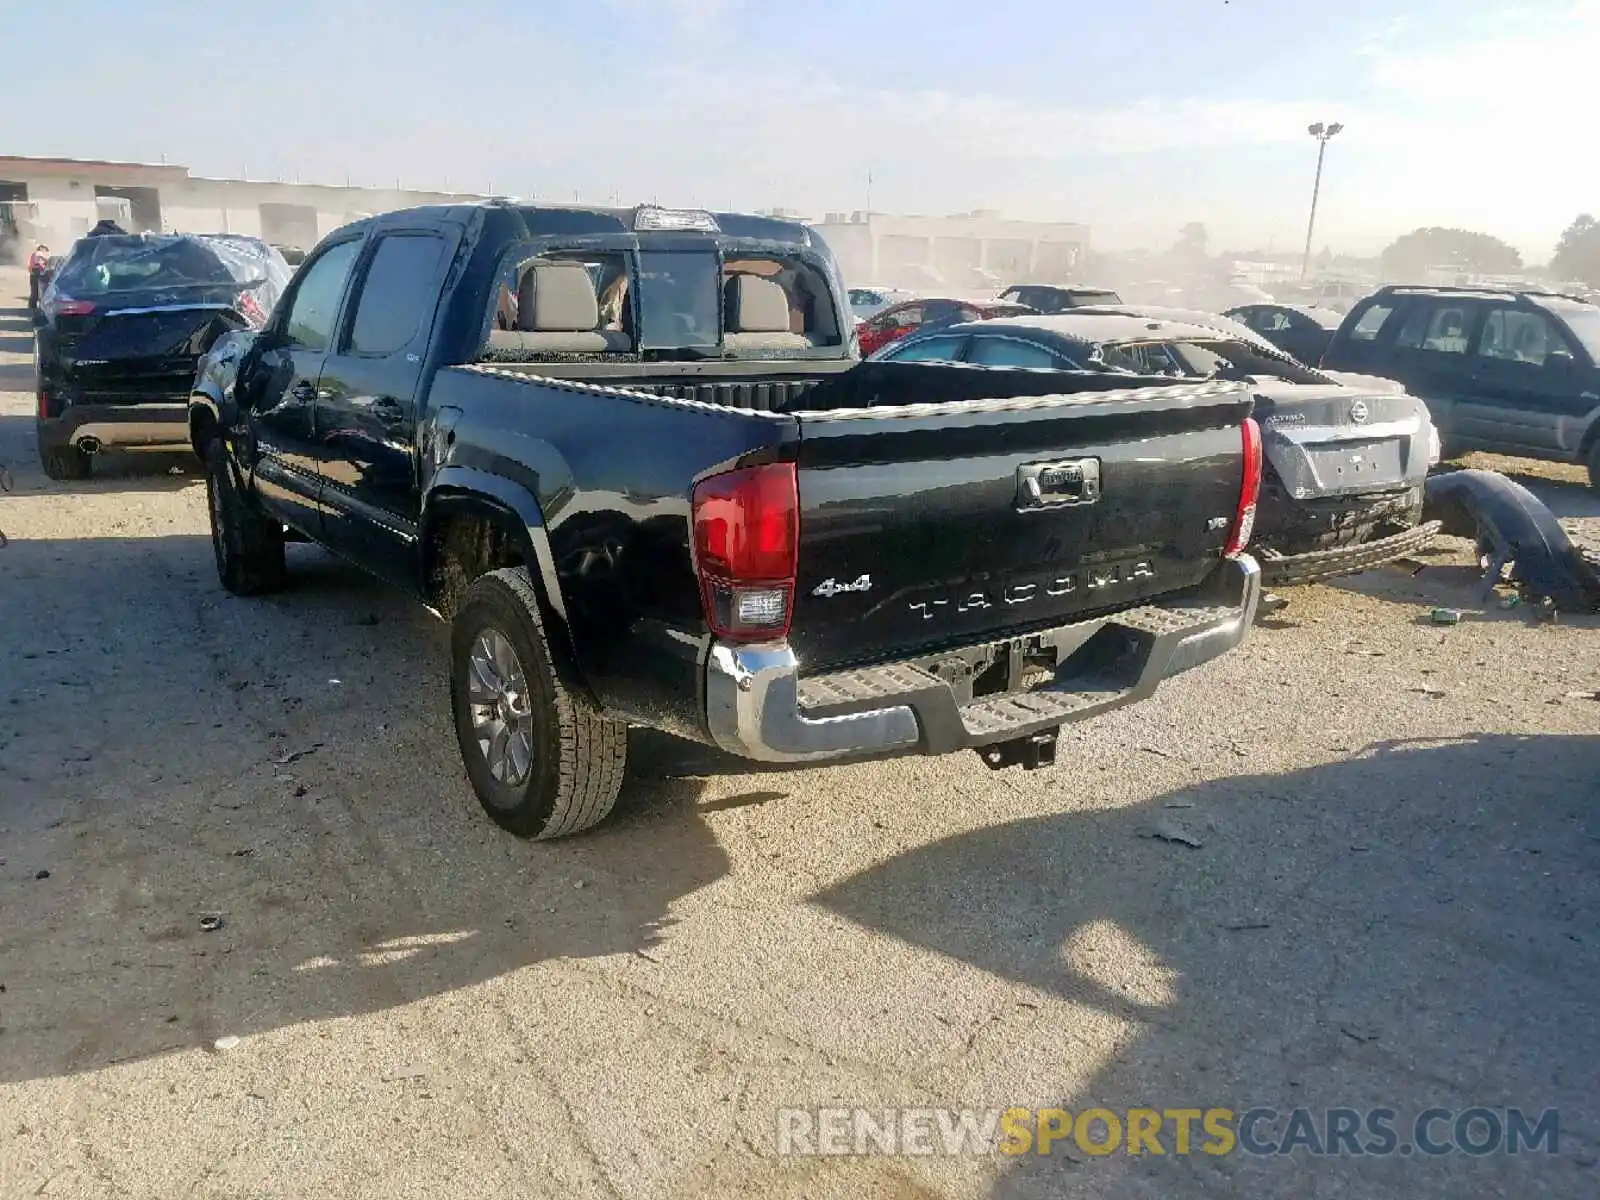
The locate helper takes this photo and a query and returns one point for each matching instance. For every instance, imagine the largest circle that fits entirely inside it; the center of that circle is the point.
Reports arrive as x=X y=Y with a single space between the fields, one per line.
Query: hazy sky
x=1133 y=115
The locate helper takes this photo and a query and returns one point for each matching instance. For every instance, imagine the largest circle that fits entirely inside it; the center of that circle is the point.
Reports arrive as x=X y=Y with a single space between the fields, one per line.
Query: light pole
x=1322 y=133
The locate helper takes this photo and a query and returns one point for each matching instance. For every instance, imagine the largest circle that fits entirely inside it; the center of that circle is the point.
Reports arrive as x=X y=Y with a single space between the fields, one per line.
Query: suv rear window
x=115 y=264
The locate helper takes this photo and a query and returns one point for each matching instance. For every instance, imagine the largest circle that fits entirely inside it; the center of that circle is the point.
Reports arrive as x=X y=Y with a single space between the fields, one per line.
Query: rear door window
x=398 y=294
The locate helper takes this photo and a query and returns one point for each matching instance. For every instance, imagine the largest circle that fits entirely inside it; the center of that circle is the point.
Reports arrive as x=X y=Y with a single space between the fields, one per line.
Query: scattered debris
x=1270 y=603
x=644 y=954
x=289 y=756
x=1180 y=804
x=1027 y=1004
x=335 y=682
x=1171 y=831
x=1582 y=696
x=242 y=852
x=42 y=875
x=579 y=884
x=1359 y=1033
x=211 y=922
x=403 y=1073
x=1445 y=616
x=1156 y=752
x=225 y=1043
x=1511 y=601
x=1427 y=689
x=1241 y=926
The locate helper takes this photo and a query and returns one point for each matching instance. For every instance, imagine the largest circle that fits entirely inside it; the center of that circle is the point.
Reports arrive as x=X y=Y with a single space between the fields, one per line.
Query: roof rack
x=1488 y=289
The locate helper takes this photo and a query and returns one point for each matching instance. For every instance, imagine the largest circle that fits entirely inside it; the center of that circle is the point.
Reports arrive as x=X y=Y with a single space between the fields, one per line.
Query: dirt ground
x=1394 y=904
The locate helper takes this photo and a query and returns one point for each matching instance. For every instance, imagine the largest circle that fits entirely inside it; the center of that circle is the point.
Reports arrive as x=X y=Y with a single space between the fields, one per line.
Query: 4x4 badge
x=828 y=587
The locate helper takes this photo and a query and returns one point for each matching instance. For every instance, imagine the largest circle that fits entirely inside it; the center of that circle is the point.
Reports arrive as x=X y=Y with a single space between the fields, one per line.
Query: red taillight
x=746 y=541
x=66 y=306
x=44 y=404
x=1244 y=518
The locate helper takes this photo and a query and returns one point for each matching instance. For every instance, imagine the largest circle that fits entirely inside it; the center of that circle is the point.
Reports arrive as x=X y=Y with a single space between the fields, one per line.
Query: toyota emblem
x=1358 y=412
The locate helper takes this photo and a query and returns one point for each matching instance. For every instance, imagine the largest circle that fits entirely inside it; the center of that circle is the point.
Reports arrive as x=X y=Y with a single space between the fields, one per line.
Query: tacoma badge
x=828 y=587
x=1358 y=412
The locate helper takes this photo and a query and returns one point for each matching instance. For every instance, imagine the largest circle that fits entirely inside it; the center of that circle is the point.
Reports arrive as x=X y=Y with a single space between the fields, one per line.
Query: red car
x=894 y=323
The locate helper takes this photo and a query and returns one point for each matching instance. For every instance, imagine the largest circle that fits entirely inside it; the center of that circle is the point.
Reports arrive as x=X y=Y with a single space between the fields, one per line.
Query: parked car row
x=1344 y=464
x=1513 y=371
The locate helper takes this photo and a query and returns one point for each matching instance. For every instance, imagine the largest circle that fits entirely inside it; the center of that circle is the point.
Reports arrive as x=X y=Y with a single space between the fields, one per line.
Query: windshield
x=1207 y=359
x=118 y=264
x=680 y=302
x=1584 y=322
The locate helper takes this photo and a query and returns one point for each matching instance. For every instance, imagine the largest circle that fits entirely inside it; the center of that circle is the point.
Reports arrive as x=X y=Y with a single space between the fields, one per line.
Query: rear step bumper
x=758 y=706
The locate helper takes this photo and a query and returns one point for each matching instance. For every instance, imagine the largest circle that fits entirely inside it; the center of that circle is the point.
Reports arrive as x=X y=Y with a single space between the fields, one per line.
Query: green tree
x=1410 y=256
x=1577 y=255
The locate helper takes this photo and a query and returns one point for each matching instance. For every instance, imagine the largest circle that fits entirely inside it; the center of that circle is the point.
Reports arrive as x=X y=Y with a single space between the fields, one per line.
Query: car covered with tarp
x=121 y=327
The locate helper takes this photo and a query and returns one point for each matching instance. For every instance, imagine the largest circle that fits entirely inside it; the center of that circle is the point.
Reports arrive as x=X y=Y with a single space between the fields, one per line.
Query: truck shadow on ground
x=252 y=814
x=143 y=471
x=1414 y=926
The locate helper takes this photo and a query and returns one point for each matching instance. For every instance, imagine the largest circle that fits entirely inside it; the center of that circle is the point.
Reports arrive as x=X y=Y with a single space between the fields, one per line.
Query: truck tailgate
x=927 y=525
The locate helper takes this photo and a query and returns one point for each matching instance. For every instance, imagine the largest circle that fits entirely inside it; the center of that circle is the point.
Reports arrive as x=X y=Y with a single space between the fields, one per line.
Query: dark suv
x=1515 y=372
x=1054 y=298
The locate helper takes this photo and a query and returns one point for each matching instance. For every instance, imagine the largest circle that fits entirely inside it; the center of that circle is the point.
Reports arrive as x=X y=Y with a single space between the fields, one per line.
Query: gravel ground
x=1394 y=903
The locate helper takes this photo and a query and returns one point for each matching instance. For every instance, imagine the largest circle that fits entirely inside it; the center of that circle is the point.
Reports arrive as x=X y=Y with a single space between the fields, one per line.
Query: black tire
x=1594 y=466
x=64 y=463
x=576 y=757
x=247 y=544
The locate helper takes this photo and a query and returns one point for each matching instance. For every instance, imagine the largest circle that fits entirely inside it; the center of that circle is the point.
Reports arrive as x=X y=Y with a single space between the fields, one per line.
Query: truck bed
x=913 y=534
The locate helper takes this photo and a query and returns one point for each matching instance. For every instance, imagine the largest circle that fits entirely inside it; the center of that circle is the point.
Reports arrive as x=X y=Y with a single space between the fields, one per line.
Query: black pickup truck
x=632 y=456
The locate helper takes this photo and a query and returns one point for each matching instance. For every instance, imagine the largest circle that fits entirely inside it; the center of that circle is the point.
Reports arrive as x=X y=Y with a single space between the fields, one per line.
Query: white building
x=56 y=200
x=977 y=251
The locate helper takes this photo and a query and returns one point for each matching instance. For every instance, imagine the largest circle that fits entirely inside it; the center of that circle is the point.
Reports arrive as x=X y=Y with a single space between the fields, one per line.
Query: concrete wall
x=65 y=202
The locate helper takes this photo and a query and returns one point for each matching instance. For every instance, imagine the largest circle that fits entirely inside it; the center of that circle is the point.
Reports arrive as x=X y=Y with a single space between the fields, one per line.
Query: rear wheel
x=247 y=544
x=542 y=762
x=1594 y=465
x=64 y=463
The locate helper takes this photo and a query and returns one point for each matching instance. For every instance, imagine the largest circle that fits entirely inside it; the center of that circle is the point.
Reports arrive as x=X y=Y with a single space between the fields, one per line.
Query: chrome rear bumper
x=758 y=705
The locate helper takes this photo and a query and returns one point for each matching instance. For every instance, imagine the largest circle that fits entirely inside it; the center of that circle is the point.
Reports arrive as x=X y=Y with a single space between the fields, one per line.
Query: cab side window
x=308 y=325
x=397 y=295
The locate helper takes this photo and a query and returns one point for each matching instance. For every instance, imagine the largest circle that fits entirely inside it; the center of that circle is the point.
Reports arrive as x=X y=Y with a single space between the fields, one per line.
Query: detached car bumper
x=1283 y=570
x=759 y=706
x=162 y=426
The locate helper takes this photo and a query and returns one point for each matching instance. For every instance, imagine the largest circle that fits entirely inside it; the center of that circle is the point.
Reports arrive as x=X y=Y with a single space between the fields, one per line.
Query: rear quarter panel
x=610 y=474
